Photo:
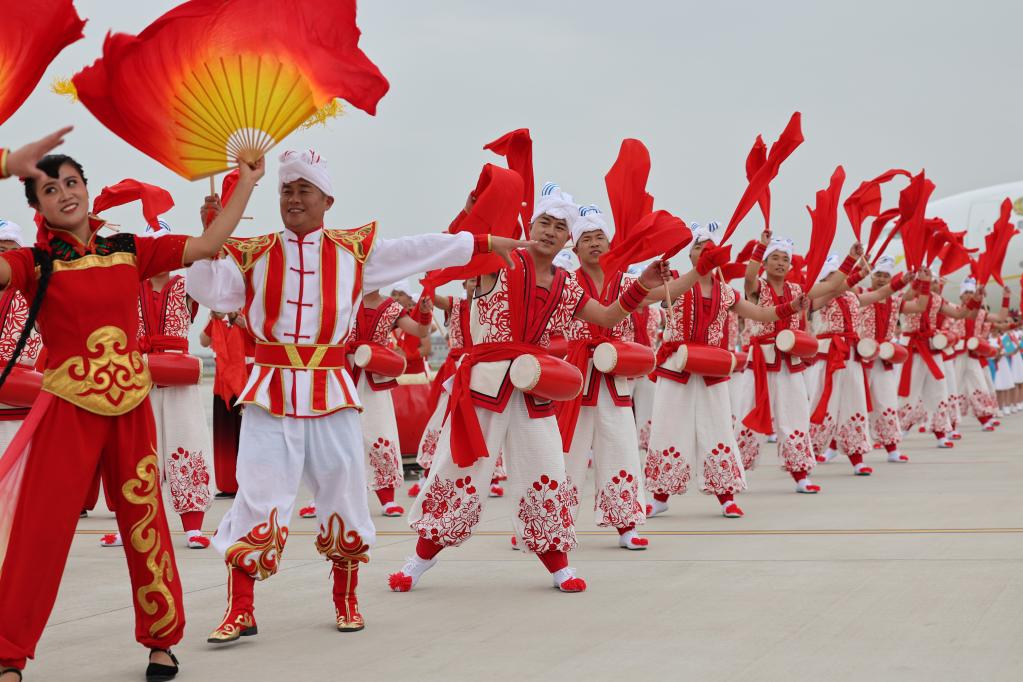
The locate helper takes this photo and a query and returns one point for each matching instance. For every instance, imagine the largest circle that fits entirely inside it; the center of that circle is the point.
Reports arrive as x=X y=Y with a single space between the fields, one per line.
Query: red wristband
x=898 y=282
x=758 y=252
x=855 y=278
x=422 y=316
x=633 y=297
x=783 y=310
x=973 y=304
x=847 y=265
x=1005 y=300
x=481 y=244
x=924 y=287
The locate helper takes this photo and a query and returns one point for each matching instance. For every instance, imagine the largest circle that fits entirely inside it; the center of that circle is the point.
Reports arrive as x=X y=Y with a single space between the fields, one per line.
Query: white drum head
x=605 y=358
x=525 y=372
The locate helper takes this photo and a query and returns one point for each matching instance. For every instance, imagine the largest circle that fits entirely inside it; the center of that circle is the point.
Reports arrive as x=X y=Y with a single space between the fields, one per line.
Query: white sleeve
x=216 y=284
x=393 y=260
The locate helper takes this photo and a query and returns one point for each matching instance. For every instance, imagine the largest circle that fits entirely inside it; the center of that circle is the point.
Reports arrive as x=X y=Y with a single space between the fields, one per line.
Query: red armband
x=922 y=286
x=633 y=297
x=423 y=317
x=898 y=282
x=973 y=304
x=1005 y=300
x=847 y=265
x=4 y=153
x=855 y=278
x=784 y=310
x=758 y=252
x=481 y=244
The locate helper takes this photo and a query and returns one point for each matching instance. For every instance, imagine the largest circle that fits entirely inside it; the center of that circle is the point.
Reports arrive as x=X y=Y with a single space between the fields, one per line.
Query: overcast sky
x=880 y=84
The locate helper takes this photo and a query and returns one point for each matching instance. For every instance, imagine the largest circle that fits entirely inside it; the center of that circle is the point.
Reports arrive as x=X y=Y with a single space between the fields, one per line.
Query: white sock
x=894 y=456
x=804 y=483
x=562 y=575
x=415 y=566
x=626 y=538
x=657 y=507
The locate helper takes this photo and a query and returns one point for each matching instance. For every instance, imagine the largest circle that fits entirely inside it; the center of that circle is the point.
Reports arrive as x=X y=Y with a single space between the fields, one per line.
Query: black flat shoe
x=224 y=496
x=158 y=672
x=11 y=670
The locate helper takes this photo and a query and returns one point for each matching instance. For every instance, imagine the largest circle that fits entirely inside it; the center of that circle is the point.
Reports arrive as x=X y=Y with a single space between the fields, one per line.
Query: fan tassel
x=332 y=109
x=65 y=87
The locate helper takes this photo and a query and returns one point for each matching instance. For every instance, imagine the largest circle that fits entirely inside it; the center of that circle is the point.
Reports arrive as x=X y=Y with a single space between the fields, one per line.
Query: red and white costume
x=13 y=314
x=972 y=377
x=235 y=355
x=183 y=440
x=922 y=387
x=647 y=323
x=879 y=321
x=459 y=336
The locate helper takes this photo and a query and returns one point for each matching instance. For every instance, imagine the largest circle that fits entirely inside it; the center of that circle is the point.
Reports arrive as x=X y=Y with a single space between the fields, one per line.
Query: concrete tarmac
x=915 y=573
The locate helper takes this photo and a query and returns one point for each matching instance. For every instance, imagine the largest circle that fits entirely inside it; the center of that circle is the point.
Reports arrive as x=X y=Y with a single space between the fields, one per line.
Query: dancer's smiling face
x=549 y=235
x=303 y=206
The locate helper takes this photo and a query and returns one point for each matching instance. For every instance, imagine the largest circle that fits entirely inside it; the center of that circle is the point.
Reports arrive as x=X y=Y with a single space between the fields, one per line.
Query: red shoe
x=111 y=540
x=566 y=581
x=861 y=470
x=496 y=490
x=307 y=512
x=732 y=511
x=393 y=509
x=198 y=541
x=878 y=446
x=923 y=429
x=957 y=436
x=514 y=542
x=413 y=490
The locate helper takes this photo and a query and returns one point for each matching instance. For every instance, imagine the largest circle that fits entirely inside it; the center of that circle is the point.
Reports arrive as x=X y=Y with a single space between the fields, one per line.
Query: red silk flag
x=216 y=80
x=865 y=202
x=954 y=255
x=786 y=143
x=938 y=235
x=155 y=200
x=517 y=149
x=496 y=211
x=658 y=234
x=877 y=227
x=35 y=32
x=824 y=221
x=912 y=204
x=626 y=189
x=996 y=244
x=755 y=160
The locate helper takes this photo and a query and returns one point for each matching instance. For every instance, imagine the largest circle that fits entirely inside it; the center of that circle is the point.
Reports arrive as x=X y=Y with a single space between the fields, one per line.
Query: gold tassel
x=332 y=109
x=65 y=87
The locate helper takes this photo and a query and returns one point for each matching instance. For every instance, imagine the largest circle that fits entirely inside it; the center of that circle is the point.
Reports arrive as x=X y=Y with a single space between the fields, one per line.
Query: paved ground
x=913 y=574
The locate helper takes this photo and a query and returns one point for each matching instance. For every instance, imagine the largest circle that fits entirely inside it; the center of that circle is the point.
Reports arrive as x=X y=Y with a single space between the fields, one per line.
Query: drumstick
x=213 y=187
x=667 y=299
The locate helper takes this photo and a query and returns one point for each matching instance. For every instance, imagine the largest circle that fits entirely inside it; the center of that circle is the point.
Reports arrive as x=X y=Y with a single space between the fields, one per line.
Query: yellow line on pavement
x=817 y=531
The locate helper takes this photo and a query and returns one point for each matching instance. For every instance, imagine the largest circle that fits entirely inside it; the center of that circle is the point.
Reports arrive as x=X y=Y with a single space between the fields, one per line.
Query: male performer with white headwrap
x=13 y=314
x=299 y=290
x=879 y=321
x=600 y=419
x=691 y=436
x=972 y=377
x=513 y=314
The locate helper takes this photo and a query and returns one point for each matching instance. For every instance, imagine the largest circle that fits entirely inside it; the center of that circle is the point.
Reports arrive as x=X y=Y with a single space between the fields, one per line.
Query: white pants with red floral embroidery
x=607 y=430
x=643 y=408
x=885 y=427
x=955 y=399
x=431 y=437
x=275 y=456
x=741 y=398
x=380 y=438
x=790 y=412
x=691 y=435
x=450 y=502
x=975 y=386
x=846 y=419
x=928 y=399
x=184 y=445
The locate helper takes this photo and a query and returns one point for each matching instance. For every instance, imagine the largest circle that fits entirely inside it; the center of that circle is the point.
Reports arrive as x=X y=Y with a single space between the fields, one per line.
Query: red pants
x=67 y=447
x=227 y=425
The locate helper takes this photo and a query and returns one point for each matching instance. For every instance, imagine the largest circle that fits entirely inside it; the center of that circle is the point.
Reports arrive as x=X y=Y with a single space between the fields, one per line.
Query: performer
x=923 y=390
x=948 y=354
x=691 y=436
x=513 y=313
x=837 y=383
x=970 y=369
x=93 y=412
x=600 y=420
x=234 y=353
x=879 y=321
x=13 y=314
x=776 y=396
x=182 y=438
x=300 y=289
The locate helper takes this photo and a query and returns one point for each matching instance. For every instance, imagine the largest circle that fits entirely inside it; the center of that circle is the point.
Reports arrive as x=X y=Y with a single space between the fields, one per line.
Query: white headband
x=590 y=220
x=163 y=231
x=885 y=264
x=557 y=204
x=307 y=165
x=786 y=246
x=968 y=286
x=704 y=233
x=830 y=266
x=10 y=231
x=565 y=260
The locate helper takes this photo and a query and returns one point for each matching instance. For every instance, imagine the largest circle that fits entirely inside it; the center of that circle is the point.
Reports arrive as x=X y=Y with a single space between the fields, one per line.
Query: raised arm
x=22 y=162
x=630 y=300
x=750 y=279
x=394 y=259
x=213 y=237
x=760 y=313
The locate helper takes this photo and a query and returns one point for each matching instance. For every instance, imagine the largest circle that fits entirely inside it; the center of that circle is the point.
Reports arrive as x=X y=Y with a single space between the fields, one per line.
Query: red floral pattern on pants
x=721 y=472
x=911 y=414
x=451 y=509
x=428 y=449
x=886 y=427
x=852 y=437
x=619 y=501
x=667 y=472
x=749 y=448
x=546 y=514
x=189 y=481
x=941 y=420
x=383 y=458
x=796 y=452
x=982 y=403
x=820 y=434
x=644 y=436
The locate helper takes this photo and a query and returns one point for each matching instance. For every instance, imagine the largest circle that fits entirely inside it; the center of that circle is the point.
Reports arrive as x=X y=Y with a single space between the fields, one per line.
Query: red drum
x=893 y=353
x=546 y=377
x=558 y=346
x=939 y=341
x=797 y=342
x=21 y=387
x=379 y=360
x=624 y=359
x=174 y=369
x=740 y=362
x=867 y=348
x=981 y=348
x=708 y=361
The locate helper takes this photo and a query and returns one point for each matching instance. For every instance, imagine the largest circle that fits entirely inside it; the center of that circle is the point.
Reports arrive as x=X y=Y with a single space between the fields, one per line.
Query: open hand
x=503 y=247
x=22 y=162
x=655 y=274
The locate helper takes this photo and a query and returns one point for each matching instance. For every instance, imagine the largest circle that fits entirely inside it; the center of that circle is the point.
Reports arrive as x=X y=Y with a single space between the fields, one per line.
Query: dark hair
x=45 y=262
x=50 y=165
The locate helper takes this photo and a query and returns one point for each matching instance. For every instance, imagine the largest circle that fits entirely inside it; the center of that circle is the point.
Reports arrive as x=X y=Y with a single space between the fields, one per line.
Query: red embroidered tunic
x=374 y=326
x=699 y=320
x=165 y=316
x=764 y=333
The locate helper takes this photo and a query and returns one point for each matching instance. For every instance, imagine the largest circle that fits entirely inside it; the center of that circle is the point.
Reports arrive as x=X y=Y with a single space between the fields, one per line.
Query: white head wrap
x=885 y=264
x=590 y=220
x=704 y=233
x=163 y=231
x=782 y=244
x=405 y=286
x=556 y=204
x=565 y=260
x=307 y=165
x=968 y=286
x=830 y=265
x=635 y=270
x=11 y=232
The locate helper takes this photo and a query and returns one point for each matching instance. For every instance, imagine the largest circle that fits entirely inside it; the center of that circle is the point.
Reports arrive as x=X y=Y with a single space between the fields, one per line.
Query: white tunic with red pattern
x=13 y=315
x=923 y=390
